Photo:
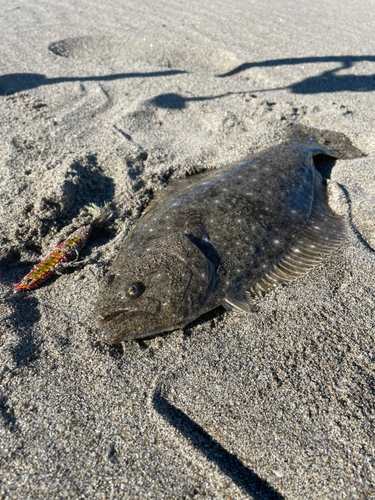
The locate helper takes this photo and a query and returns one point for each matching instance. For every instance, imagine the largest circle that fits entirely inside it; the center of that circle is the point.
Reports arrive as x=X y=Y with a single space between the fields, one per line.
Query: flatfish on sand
x=220 y=238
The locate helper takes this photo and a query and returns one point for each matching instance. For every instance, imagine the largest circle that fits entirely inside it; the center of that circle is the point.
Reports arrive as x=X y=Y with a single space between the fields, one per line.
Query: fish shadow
x=324 y=165
x=207 y=318
x=228 y=463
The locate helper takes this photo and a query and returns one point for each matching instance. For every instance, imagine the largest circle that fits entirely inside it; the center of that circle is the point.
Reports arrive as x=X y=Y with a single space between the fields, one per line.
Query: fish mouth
x=114 y=337
x=149 y=306
x=116 y=326
x=103 y=320
x=111 y=329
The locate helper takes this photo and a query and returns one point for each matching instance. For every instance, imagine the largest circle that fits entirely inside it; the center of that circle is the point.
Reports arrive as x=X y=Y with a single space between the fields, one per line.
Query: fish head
x=154 y=289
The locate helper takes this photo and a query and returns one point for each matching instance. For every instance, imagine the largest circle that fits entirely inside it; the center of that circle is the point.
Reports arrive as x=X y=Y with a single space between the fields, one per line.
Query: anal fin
x=323 y=233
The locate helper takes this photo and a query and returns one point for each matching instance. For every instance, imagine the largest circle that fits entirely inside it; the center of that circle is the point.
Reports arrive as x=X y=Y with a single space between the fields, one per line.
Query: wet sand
x=110 y=102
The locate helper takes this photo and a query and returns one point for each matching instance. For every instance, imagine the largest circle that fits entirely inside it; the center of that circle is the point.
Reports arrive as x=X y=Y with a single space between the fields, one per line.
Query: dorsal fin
x=176 y=187
x=322 y=235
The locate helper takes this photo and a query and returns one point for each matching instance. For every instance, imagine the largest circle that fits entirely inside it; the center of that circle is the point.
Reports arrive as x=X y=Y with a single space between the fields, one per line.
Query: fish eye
x=135 y=290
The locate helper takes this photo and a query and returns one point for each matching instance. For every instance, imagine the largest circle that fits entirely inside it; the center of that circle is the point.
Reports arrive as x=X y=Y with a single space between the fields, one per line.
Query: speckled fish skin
x=220 y=237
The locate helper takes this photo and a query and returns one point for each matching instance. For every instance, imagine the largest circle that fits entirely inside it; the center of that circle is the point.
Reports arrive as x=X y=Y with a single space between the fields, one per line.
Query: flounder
x=220 y=238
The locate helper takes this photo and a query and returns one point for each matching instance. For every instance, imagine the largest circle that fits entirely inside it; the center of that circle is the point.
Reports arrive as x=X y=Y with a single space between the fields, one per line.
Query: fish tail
x=326 y=142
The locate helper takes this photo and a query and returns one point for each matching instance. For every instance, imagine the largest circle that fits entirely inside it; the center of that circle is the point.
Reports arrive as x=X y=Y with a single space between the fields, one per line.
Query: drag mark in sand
x=228 y=463
x=351 y=222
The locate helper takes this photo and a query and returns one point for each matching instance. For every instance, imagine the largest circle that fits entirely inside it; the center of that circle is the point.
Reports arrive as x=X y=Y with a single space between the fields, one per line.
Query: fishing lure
x=67 y=252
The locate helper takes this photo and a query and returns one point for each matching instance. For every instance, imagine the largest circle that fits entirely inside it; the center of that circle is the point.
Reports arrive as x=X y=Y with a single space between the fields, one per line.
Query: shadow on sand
x=228 y=463
x=18 y=82
x=328 y=81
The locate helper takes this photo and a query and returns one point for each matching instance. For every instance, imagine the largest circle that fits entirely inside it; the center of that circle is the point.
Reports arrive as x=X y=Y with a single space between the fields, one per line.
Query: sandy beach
x=110 y=102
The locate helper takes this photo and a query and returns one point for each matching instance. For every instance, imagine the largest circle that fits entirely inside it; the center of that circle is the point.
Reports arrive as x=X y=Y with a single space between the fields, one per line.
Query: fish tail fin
x=326 y=142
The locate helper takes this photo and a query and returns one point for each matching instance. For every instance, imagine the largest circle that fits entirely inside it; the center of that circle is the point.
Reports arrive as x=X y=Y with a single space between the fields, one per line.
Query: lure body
x=64 y=254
